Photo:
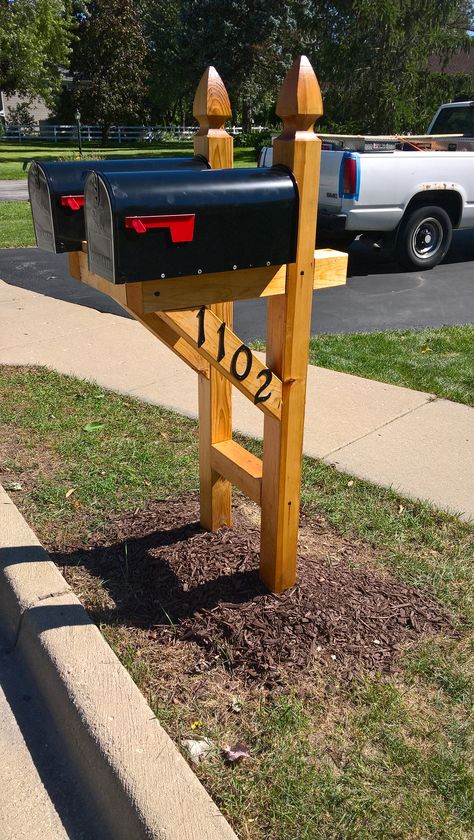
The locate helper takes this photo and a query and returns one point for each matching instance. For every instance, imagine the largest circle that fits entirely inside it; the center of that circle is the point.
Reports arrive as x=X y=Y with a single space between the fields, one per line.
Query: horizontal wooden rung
x=238 y=466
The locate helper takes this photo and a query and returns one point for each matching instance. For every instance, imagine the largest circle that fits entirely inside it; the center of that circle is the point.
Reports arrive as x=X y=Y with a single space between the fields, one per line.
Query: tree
x=251 y=42
x=35 y=37
x=370 y=56
x=170 y=88
x=110 y=63
x=373 y=57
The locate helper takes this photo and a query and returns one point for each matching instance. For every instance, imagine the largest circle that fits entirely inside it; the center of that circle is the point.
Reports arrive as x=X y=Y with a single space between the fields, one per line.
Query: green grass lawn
x=439 y=361
x=16 y=225
x=384 y=758
x=13 y=155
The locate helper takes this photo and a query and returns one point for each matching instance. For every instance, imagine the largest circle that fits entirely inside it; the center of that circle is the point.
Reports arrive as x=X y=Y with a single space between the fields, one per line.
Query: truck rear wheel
x=424 y=238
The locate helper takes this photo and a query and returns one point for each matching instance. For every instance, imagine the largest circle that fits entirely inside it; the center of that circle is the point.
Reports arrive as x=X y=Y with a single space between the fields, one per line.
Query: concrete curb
x=129 y=766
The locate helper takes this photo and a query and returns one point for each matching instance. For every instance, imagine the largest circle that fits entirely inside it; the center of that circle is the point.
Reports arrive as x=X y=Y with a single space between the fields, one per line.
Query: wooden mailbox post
x=193 y=317
x=288 y=332
x=212 y=109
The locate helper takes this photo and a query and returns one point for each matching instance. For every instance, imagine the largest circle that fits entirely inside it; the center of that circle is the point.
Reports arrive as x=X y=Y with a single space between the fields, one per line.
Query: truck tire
x=424 y=238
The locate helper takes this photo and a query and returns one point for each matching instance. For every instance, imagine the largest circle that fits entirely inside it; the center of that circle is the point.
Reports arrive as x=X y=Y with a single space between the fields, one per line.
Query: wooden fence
x=117 y=133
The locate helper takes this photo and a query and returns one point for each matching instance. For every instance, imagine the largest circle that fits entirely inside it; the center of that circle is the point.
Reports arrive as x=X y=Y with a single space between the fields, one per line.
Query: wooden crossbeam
x=221 y=286
x=79 y=269
x=155 y=324
x=239 y=466
x=227 y=354
x=330 y=269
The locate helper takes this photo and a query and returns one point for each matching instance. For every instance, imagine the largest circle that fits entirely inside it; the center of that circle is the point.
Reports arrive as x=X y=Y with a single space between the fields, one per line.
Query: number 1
x=201 y=334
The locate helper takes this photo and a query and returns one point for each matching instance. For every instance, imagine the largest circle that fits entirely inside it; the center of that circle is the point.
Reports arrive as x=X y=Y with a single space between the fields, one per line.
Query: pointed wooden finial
x=299 y=102
x=211 y=105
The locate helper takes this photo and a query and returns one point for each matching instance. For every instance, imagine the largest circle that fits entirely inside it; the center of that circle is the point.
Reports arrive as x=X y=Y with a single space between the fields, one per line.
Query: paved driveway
x=381 y=296
x=378 y=296
x=13 y=191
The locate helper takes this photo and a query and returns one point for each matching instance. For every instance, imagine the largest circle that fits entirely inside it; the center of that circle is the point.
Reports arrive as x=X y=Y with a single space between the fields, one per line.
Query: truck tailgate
x=330 y=194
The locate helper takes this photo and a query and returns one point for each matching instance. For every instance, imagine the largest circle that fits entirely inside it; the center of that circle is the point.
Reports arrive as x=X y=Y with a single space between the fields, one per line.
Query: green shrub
x=255 y=139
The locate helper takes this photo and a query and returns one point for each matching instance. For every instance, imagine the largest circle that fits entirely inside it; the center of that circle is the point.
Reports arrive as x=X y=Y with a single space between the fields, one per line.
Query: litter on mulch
x=166 y=574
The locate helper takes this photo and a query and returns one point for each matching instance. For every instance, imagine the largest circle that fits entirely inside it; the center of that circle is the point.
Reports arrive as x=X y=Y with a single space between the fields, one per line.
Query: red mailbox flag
x=181 y=227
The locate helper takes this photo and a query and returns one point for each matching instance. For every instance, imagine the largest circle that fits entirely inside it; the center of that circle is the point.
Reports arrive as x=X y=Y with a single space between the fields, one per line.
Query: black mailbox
x=152 y=225
x=57 y=194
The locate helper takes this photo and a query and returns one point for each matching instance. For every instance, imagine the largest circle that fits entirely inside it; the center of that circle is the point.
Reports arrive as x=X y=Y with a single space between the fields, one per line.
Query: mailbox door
x=57 y=194
x=147 y=226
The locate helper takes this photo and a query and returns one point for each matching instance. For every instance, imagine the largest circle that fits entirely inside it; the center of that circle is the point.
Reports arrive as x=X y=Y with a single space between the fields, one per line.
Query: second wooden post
x=288 y=332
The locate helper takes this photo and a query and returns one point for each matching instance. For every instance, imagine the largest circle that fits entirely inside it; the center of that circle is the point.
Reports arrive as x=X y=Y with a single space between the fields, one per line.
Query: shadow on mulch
x=167 y=575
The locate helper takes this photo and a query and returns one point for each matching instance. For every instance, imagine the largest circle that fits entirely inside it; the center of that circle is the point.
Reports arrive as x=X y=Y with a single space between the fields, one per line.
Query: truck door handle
x=181 y=227
x=74 y=202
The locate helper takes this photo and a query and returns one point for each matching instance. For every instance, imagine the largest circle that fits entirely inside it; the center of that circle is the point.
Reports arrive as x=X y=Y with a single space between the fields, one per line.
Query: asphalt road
x=378 y=295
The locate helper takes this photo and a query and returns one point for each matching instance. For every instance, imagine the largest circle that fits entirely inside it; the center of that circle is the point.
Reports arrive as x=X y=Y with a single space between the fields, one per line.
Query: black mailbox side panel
x=99 y=228
x=41 y=208
x=57 y=194
x=147 y=226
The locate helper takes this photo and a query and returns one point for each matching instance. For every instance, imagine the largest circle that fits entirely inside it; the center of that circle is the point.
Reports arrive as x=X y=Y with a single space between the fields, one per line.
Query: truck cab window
x=455 y=121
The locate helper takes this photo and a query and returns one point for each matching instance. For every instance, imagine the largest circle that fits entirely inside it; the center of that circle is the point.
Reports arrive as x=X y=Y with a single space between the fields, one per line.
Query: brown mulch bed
x=164 y=574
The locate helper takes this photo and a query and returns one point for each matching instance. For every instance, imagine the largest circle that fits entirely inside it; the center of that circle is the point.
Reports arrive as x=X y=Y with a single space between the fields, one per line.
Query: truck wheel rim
x=427 y=238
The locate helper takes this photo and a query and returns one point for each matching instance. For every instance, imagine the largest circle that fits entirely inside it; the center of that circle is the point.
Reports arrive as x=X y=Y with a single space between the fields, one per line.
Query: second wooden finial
x=299 y=102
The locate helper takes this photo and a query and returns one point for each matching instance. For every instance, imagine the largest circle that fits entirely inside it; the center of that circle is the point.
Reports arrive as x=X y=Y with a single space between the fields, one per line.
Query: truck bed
x=408 y=142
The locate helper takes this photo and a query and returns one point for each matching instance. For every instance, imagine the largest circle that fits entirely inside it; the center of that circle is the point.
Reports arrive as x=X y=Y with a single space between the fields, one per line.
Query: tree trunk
x=105 y=133
x=246 y=116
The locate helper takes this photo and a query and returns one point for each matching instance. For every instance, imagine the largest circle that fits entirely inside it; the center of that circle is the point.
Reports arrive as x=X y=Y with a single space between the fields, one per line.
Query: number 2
x=268 y=375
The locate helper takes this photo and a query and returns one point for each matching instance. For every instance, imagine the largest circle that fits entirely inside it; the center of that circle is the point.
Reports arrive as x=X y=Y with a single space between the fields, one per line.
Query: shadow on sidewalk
x=48 y=274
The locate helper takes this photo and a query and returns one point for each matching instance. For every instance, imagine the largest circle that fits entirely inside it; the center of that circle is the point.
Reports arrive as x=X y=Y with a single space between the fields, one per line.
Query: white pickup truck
x=409 y=200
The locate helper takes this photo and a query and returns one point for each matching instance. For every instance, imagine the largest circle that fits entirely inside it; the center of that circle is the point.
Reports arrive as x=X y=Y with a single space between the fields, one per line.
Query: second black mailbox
x=149 y=225
x=57 y=194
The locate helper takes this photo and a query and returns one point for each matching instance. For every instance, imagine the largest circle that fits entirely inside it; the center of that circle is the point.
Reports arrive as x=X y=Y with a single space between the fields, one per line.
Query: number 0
x=243 y=349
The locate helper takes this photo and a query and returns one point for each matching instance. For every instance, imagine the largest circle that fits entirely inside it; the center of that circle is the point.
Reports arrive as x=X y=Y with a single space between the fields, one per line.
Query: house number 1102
x=241 y=361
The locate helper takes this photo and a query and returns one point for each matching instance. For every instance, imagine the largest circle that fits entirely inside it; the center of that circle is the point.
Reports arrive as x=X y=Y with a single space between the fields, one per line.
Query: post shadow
x=146 y=590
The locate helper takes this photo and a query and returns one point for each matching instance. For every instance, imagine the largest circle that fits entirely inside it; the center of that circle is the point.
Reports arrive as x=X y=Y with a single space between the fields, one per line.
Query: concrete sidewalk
x=42 y=797
x=13 y=190
x=421 y=446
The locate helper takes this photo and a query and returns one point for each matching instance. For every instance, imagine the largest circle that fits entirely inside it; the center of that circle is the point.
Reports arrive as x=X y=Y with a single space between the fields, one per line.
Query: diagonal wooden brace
x=227 y=354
